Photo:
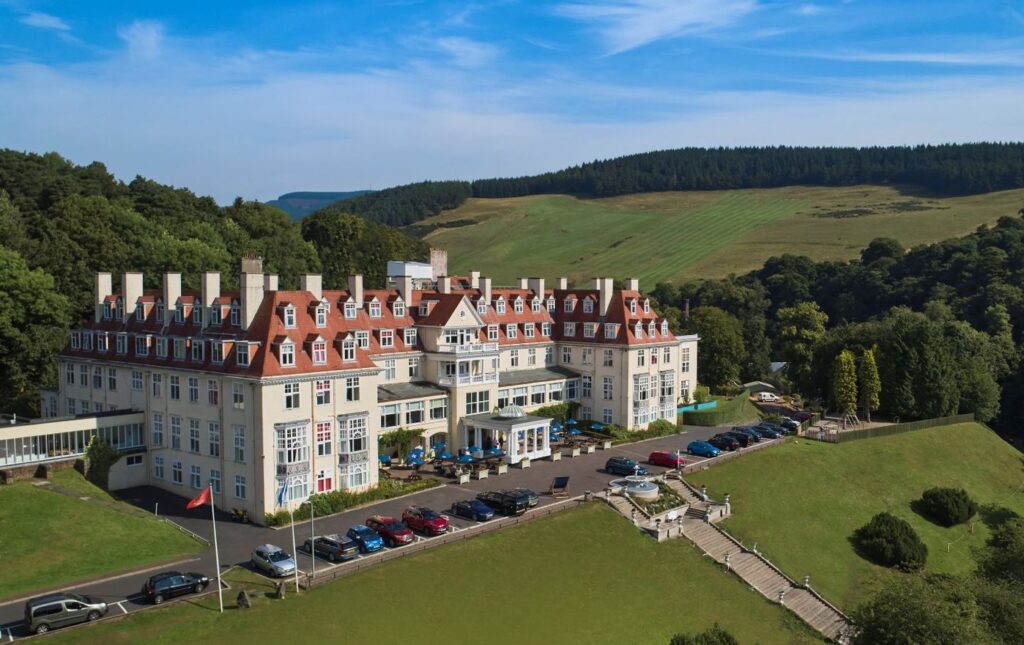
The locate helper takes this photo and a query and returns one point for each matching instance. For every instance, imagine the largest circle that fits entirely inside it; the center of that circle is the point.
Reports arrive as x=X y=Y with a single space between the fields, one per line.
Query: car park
x=741 y=438
x=750 y=432
x=169 y=584
x=702 y=449
x=60 y=610
x=505 y=502
x=532 y=498
x=366 y=538
x=767 y=432
x=472 y=509
x=394 y=532
x=723 y=441
x=273 y=560
x=790 y=424
x=666 y=459
x=334 y=547
x=424 y=520
x=623 y=466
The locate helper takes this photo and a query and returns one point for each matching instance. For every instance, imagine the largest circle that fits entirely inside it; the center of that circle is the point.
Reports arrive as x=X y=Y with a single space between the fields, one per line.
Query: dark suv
x=168 y=584
x=750 y=432
x=332 y=547
x=505 y=502
x=623 y=466
x=723 y=441
x=741 y=438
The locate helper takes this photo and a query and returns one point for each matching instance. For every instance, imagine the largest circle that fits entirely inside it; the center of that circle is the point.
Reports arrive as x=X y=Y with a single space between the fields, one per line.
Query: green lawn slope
x=802 y=501
x=678 y=235
x=582 y=576
x=48 y=539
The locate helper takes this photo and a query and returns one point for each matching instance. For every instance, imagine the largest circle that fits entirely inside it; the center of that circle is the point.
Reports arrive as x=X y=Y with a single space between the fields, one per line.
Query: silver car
x=274 y=560
x=60 y=609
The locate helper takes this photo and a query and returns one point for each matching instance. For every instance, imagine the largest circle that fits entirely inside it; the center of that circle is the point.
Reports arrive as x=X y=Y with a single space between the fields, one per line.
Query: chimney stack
x=313 y=283
x=444 y=284
x=633 y=284
x=404 y=284
x=210 y=292
x=523 y=282
x=604 y=289
x=172 y=291
x=252 y=287
x=131 y=287
x=474 y=279
x=355 y=289
x=438 y=263
x=485 y=290
x=104 y=287
x=562 y=284
x=270 y=282
x=537 y=286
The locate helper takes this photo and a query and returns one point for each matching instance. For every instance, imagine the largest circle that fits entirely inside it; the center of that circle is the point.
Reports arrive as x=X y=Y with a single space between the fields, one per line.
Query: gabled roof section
x=447 y=312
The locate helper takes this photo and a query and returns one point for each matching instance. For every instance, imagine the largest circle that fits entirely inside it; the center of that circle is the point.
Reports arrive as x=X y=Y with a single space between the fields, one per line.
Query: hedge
x=727 y=411
x=948 y=506
x=891 y=542
x=341 y=500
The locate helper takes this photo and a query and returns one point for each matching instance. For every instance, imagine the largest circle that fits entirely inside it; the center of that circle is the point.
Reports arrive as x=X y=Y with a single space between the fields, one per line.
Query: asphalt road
x=236 y=540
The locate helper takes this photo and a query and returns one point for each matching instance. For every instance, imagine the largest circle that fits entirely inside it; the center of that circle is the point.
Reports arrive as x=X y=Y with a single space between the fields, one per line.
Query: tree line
x=60 y=223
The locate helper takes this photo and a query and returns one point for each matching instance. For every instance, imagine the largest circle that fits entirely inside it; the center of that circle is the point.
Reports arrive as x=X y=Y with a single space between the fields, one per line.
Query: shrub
x=891 y=542
x=714 y=635
x=701 y=394
x=337 y=501
x=948 y=506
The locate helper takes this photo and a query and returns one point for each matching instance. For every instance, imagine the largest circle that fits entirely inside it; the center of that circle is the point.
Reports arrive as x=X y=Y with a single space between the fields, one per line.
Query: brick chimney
x=474 y=279
x=104 y=287
x=633 y=284
x=537 y=286
x=172 y=291
x=313 y=283
x=131 y=288
x=562 y=284
x=355 y=289
x=444 y=284
x=604 y=289
x=404 y=285
x=270 y=282
x=210 y=289
x=252 y=287
x=485 y=290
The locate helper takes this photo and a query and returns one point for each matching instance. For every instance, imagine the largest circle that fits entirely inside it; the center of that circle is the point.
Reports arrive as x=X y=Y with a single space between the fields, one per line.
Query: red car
x=424 y=520
x=666 y=459
x=391 y=530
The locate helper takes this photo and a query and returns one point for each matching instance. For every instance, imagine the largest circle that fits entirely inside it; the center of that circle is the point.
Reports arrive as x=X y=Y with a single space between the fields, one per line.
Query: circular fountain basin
x=637 y=487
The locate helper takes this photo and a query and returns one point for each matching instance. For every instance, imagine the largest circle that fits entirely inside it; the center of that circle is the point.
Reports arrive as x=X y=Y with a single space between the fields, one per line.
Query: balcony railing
x=469 y=379
x=468 y=348
x=296 y=468
x=353 y=457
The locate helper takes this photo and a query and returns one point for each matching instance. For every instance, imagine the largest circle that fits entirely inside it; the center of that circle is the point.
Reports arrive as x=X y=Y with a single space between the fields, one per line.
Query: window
x=651 y=329
x=176 y=472
x=321 y=316
x=588 y=306
x=647 y=306
x=638 y=329
x=141 y=346
x=69 y=374
x=537 y=394
x=609 y=357
x=140 y=312
x=238 y=442
x=528 y=330
x=324 y=438
x=197 y=315
x=71 y=406
x=175 y=388
x=97 y=378
x=158 y=467
x=357 y=434
x=387 y=338
x=323 y=392
x=363 y=338
x=414 y=412
x=292 y=445
x=291 y=396
x=348 y=350
x=685 y=362
x=410 y=337
x=389 y=416
x=102 y=341
x=531 y=357
x=374 y=309
x=175 y=432
x=492 y=332
x=512 y=331
x=551 y=305
x=136 y=380
x=85 y=406
x=240 y=486
x=632 y=306
x=478 y=402
x=414 y=367
x=499 y=305
x=87 y=340
x=519 y=396
x=549 y=355
x=568 y=304
x=517 y=305
x=112 y=379
x=319 y=352
x=641 y=358
x=179 y=349
x=179 y=312
x=587 y=387
x=588 y=355
x=158 y=429
x=641 y=388
x=567 y=355
x=193 y=435
x=438 y=409
x=398 y=308
x=324 y=482
x=664 y=328
x=287 y=352
x=389 y=369
x=555 y=390
x=161 y=347
x=545 y=329
x=609 y=388
x=289 y=317
x=122 y=343
x=242 y=354
x=236 y=314
x=193 y=389
x=350 y=310
x=217 y=351
x=214 y=437
x=535 y=305
x=570 y=329
x=215 y=480
x=589 y=330
x=513 y=358
x=606 y=415
x=83 y=375
x=667 y=385
x=197 y=350
x=666 y=356
x=212 y=392
x=502 y=399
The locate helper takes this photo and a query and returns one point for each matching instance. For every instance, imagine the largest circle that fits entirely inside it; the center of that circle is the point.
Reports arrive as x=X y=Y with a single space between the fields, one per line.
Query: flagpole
x=216 y=551
x=295 y=558
x=312 y=534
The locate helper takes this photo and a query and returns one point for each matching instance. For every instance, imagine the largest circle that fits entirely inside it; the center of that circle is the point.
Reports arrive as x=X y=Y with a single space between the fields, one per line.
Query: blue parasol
x=472 y=448
x=464 y=459
x=414 y=461
x=445 y=455
x=493 y=452
x=575 y=431
x=557 y=425
x=384 y=459
x=596 y=426
x=571 y=421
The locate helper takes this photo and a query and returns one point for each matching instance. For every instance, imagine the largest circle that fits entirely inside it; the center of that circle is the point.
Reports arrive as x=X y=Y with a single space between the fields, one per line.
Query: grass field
x=47 y=539
x=583 y=576
x=681 y=235
x=801 y=501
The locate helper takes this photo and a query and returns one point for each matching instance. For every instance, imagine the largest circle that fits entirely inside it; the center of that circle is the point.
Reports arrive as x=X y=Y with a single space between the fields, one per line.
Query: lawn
x=801 y=501
x=696 y=234
x=580 y=576
x=48 y=539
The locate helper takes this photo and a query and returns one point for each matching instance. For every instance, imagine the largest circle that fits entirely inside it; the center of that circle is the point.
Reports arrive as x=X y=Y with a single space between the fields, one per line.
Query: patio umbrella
x=417 y=451
x=557 y=425
x=464 y=459
x=571 y=421
x=493 y=452
x=575 y=431
x=384 y=459
x=596 y=426
x=473 y=449
x=445 y=455
x=414 y=461
x=439 y=447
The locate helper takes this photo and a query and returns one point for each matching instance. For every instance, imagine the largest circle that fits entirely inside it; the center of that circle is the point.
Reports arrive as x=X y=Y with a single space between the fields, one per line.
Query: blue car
x=367 y=539
x=472 y=509
x=767 y=431
x=702 y=449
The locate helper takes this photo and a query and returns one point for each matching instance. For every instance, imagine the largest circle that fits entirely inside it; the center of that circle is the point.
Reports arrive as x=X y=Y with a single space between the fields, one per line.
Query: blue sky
x=258 y=98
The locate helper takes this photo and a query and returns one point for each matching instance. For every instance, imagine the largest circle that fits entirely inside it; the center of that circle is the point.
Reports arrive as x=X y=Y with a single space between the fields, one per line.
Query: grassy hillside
x=674 y=236
x=802 y=501
x=583 y=576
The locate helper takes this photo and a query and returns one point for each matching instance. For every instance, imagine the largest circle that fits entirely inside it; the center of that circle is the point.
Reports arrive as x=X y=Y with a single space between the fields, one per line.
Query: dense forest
x=945 y=322
x=954 y=169
x=61 y=223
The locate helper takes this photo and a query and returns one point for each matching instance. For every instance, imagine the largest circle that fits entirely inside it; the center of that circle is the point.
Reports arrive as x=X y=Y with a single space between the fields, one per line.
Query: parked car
x=394 y=532
x=666 y=459
x=790 y=424
x=750 y=432
x=424 y=520
x=273 y=560
x=169 y=584
x=767 y=432
x=532 y=498
x=741 y=438
x=768 y=397
x=505 y=502
x=623 y=466
x=472 y=509
x=366 y=538
x=61 y=609
x=702 y=449
x=724 y=442
x=332 y=547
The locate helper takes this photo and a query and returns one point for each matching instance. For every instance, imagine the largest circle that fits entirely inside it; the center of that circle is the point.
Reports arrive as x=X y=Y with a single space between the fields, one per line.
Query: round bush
x=948 y=506
x=891 y=542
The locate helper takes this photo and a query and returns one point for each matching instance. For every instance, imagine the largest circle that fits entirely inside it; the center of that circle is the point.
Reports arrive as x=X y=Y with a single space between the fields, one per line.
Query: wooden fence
x=900 y=428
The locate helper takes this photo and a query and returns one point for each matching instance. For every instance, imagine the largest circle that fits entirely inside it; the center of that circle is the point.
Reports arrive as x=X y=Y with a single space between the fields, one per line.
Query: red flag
x=200 y=499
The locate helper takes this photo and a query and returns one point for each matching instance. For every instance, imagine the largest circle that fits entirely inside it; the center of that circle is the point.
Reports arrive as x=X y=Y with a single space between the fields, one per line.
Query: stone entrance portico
x=518 y=434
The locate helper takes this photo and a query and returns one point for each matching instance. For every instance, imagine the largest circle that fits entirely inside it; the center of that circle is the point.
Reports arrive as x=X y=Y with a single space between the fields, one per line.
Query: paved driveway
x=236 y=540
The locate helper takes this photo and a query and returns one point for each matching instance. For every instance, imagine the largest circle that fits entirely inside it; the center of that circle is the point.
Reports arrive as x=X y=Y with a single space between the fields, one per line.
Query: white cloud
x=1008 y=58
x=466 y=52
x=809 y=10
x=628 y=24
x=44 y=21
x=144 y=38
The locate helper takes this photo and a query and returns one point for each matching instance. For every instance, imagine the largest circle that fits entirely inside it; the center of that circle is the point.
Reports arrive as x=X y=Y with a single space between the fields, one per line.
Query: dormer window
x=570 y=329
x=289 y=317
x=87 y=340
x=512 y=331
x=321 y=315
x=102 y=341
x=76 y=340
x=236 y=314
x=632 y=306
x=499 y=305
x=179 y=313
x=216 y=314
x=481 y=307
x=120 y=308
x=374 y=308
x=286 y=354
x=589 y=329
x=410 y=337
x=197 y=315
x=398 y=308
x=350 y=310
x=611 y=330
x=651 y=328
x=122 y=343
x=424 y=308
x=528 y=330
x=535 y=305
x=348 y=350
x=319 y=351
x=568 y=305
x=387 y=338
x=647 y=306
x=588 y=306
x=197 y=350
x=141 y=346
x=160 y=311
x=107 y=312
x=664 y=328
x=517 y=305
x=545 y=329
x=217 y=351
x=140 y=312
x=638 y=330
x=551 y=305
x=242 y=354
x=363 y=338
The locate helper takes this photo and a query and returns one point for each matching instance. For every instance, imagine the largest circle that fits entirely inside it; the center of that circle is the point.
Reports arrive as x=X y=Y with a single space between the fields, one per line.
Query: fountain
x=637 y=486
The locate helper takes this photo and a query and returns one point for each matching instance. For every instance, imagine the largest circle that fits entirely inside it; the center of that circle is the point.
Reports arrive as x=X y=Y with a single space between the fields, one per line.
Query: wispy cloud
x=466 y=52
x=628 y=24
x=982 y=59
x=44 y=21
x=144 y=38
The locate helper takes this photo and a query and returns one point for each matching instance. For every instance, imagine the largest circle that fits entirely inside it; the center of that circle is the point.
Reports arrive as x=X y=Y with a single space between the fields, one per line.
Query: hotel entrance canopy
x=518 y=434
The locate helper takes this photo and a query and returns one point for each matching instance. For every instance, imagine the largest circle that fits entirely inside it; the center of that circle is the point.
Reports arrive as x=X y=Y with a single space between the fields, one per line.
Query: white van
x=768 y=397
